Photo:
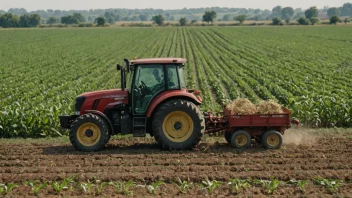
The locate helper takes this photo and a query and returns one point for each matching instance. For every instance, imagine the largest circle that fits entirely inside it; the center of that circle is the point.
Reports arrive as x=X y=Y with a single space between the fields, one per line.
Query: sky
x=31 y=5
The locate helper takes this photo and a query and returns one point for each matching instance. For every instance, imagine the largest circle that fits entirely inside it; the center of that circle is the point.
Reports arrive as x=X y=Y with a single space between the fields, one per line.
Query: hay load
x=269 y=107
x=242 y=106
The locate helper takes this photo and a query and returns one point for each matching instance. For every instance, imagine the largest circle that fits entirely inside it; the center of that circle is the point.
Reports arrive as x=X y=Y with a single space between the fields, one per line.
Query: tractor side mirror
x=127 y=62
x=119 y=67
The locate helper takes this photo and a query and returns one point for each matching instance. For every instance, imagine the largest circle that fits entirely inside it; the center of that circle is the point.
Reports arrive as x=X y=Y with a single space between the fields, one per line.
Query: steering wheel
x=144 y=88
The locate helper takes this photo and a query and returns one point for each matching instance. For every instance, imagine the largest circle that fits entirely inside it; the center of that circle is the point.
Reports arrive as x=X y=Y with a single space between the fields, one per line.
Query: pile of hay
x=242 y=106
x=269 y=107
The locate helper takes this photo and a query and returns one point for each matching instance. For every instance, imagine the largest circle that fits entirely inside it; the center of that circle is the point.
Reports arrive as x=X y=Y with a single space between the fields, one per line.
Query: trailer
x=239 y=130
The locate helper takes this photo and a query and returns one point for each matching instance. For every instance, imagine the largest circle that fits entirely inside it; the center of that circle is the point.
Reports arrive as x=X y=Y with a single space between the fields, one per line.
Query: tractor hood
x=116 y=94
x=100 y=100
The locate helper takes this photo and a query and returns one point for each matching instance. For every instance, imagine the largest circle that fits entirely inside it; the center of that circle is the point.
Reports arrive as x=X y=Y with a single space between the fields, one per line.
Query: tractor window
x=149 y=81
x=172 y=77
x=181 y=76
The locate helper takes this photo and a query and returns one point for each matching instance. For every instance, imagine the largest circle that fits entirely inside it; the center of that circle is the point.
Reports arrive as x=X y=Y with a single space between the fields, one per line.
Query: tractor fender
x=168 y=95
x=98 y=113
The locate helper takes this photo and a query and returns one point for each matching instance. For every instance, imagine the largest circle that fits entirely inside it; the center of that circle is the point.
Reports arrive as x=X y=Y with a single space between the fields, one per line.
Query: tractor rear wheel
x=178 y=125
x=272 y=139
x=89 y=132
x=241 y=139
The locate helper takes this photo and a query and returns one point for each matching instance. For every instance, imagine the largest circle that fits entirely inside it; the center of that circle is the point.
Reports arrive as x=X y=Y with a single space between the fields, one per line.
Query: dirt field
x=306 y=155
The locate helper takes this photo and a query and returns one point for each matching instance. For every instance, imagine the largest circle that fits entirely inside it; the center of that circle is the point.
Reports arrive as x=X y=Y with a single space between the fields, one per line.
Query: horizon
x=159 y=4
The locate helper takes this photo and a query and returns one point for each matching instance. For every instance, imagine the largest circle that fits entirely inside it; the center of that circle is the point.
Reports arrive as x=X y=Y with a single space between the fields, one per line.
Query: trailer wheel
x=228 y=136
x=178 y=125
x=89 y=132
x=241 y=139
x=272 y=139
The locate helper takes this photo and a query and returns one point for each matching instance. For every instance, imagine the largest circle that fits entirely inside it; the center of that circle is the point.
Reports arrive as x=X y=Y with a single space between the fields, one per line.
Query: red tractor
x=154 y=99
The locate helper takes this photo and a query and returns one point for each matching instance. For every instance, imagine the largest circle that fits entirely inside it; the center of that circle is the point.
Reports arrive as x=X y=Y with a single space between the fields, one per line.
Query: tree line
x=224 y=14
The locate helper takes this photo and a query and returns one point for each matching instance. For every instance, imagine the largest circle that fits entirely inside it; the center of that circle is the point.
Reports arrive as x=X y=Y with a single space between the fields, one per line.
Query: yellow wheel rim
x=241 y=140
x=178 y=126
x=273 y=140
x=88 y=134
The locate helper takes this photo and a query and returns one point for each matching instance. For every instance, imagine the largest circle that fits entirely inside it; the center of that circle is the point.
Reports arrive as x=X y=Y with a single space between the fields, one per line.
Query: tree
x=276 y=21
x=111 y=20
x=226 y=17
x=144 y=17
x=70 y=19
x=314 y=20
x=312 y=12
x=52 y=20
x=287 y=13
x=335 y=19
x=276 y=12
x=347 y=20
x=9 y=20
x=303 y=21
x=158 y=19
x=240 y=18
x=333 y=12
x=183 y=21
x=24 y=20
x=209 y=16
x=287 y=21
x=34 y=20
x=346 y=9
x=100 y=21
x=79 y=16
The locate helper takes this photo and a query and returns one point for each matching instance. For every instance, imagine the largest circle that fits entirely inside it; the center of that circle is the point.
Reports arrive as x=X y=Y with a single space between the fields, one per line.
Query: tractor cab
x=153 y=99
x=147 y=78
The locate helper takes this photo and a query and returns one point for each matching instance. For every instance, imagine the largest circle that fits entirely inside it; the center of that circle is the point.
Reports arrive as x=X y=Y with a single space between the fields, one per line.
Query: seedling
x=331 y=185
x=101 y=187
x=36 y=186
x=238 y=185
x=86 y=187
x=269 y=185
x=299 y=183
x=7 y=188
x=124 y=187
x=58 y=187
x=154 y=186
x=210 y=186
x=183 y=186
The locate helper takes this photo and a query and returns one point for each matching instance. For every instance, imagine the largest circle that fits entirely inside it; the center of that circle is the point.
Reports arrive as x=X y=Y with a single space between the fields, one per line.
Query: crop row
x=97 y=187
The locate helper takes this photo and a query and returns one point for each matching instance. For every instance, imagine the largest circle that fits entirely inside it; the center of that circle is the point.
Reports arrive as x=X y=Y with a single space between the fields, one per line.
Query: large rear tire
x=178 y=125
x=89 y=133
x=272 y=139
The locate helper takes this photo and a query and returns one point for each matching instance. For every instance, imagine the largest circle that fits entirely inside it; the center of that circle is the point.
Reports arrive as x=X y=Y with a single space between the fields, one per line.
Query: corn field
x=307 y=69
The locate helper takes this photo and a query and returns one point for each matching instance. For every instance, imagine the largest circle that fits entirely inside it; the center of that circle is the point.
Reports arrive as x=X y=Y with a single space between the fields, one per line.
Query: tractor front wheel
x=178 y=125
x=89 y=132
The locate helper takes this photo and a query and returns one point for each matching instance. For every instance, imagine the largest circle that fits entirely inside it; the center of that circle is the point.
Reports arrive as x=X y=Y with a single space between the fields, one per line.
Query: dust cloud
x=299 y=137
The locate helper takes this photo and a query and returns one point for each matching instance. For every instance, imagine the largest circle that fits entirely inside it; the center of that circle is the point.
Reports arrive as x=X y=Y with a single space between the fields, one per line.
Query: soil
x=140 y=160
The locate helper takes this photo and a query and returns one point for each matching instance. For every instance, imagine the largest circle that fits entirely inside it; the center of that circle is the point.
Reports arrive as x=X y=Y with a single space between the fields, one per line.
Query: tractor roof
x=159 y=61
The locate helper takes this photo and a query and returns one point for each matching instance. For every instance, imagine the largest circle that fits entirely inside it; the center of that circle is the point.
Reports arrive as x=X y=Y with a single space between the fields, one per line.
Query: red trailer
x=239 y=130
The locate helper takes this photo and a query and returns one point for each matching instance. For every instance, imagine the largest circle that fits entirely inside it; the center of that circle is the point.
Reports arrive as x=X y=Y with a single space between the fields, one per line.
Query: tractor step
x=139 y=126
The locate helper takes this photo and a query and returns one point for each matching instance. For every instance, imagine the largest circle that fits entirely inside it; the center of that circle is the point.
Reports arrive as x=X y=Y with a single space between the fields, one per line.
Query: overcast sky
x=31 y=5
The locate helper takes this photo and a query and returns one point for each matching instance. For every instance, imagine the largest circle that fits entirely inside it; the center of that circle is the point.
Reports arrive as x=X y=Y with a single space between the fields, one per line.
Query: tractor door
x=148 y=83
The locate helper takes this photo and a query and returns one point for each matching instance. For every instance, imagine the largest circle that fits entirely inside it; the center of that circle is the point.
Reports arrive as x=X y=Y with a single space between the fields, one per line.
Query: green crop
x=331 y=185
x=41 y=72
x=210 y=186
